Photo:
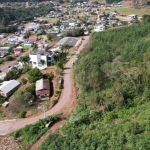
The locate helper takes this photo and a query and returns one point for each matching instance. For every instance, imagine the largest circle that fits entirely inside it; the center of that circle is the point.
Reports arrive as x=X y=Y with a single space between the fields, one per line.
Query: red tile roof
x=33 y=38
x=17 y=49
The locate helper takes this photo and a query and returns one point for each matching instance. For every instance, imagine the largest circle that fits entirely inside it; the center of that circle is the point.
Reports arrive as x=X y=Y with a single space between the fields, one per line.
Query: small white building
x=132 y=16
x=15 y=39
x=99 y=28
x=47 y=57
x=4 y=51
x=32 y=27
x=8 y=87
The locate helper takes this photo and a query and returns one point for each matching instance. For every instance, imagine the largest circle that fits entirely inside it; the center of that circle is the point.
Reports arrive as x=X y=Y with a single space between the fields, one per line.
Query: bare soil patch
x=8 y=143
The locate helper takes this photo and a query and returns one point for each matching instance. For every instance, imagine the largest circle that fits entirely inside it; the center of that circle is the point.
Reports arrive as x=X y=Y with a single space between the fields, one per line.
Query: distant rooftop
x=41 y=52
x=72 y=41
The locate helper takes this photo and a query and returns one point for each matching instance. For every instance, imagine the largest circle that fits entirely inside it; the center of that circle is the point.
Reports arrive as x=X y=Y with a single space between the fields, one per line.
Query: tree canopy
x=8 y=16
x=112 y=1
x=34 y=75
x=113 y=74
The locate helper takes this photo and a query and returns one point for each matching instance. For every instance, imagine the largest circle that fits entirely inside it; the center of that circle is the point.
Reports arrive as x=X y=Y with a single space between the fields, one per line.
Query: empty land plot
x=128 y=11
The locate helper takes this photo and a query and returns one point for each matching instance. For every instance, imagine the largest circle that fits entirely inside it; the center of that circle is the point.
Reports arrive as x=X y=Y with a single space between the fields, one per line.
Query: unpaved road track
x=9 y=126
x=4 y=66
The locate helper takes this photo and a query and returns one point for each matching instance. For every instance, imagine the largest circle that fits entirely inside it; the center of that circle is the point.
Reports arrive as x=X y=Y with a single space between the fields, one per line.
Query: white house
x=132 y=16
x=4 y=51
x=32 y=27
x=8 y=87
x=37 y=57
x=15 y=39
x=99 y=28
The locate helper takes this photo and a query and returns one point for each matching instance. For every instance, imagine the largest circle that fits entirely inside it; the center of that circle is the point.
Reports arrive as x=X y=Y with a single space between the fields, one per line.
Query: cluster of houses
x=42 y=89
x=42 y=86
x=80 y=15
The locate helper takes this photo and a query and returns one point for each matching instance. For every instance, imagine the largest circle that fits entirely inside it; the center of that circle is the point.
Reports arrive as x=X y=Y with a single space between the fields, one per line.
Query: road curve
x=8 y=126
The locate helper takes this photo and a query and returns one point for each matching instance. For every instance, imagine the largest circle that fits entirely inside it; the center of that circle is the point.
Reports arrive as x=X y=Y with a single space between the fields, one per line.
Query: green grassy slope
x=113 y=112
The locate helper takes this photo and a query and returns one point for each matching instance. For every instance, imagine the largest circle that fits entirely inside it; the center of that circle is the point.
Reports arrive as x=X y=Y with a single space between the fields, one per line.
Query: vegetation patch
x=113 y=107
x=31 y=133
x=129 y=11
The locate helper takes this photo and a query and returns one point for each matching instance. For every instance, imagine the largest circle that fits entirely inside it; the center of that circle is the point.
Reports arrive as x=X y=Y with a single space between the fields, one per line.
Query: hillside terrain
x=135 y=3
x=113 y=109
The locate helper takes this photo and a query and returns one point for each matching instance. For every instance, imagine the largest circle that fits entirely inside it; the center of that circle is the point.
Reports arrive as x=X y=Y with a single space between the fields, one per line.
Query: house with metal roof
x=72 y=41
x=8 y=87
x=99 y=28
x=4 y=51
x=18 y=50
x=43 y=87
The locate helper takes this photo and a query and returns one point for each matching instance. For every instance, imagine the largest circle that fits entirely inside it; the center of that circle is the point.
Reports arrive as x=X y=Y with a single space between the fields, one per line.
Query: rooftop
x=68 y=40
x=7 y=86
x=42 y=86
x=41 y=52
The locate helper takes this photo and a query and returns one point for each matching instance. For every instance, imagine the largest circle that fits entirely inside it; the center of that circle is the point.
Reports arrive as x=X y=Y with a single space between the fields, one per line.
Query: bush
x=59 y=65
x=22 y=114
x=23 y=81
x=31 y=133
x=54 y=102
x=60 y=86
x=1 y=61
x=51 y=36
x=51 y=76
x=58 y=92
x=2 y=99
x=34 y=75
x=9 y=58
x=31 y=89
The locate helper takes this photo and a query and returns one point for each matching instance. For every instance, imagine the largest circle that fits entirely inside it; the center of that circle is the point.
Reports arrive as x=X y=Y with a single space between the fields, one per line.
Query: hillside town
x=93 y=17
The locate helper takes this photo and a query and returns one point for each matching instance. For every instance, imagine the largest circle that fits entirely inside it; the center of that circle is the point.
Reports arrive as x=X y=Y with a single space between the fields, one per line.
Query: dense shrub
x=31 y=133
x=22 y=114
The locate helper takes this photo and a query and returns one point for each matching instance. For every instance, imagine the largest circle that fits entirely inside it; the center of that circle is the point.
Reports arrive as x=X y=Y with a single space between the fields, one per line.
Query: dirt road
x=9 y=126
x=4 y=66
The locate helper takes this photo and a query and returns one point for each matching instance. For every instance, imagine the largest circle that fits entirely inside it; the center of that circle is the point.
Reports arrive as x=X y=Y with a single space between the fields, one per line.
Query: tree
x=42 y=61
x=21 y=101
x=59 y=64
x=9 y=58
x=31 y=89
x=14 y=73
x=51 y=36
x=34 y=47
x=24 y=59
x=65 y=47
x=34 y=75
x=146 y=18
x=43 y=32
x=75 y=33
x=27 y=34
